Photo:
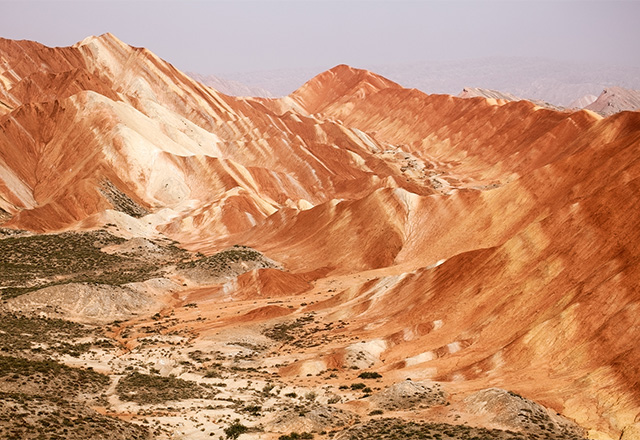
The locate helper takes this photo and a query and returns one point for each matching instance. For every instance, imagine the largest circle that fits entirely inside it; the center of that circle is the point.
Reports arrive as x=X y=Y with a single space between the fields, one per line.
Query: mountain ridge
x=539 y=79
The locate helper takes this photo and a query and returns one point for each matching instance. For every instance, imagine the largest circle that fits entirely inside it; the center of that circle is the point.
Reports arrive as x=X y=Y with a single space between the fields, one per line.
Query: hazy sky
x=236 y=36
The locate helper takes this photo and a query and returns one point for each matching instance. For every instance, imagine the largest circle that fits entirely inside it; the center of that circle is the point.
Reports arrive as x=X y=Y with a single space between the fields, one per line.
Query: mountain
x=474 y=92
x=151 y=135
x=545 y=80
x=229 y=87
x=214 y=257
x=615 y=99
x=582 y=102
x=279 y=82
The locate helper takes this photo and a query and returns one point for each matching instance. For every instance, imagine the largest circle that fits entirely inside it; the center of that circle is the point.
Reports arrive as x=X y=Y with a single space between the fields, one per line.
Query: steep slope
x=501 y=97
x=158 y=130
x=475 y=92
x=511 y=255
x=337 y=87
x=582 y=102
x=555 y=303
x=481 y=139
x=615 y=99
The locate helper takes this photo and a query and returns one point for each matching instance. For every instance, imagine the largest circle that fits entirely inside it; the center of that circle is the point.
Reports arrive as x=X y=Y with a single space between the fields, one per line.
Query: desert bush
x=151 y=389
x=296 y=436
x=234 y=430
x=369 y=375
x=70 y=257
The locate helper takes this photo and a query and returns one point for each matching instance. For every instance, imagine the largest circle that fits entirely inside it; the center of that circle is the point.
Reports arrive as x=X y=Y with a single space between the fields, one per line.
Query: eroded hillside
x=355 y=260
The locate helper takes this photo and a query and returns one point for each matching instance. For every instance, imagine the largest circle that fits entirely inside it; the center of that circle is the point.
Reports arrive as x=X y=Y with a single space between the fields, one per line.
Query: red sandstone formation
x=479 y=242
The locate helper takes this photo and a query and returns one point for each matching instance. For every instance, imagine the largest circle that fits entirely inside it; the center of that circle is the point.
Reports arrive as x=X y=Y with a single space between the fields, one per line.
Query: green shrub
x=254 y=410
x=234 y=430
x=144 y=388
x=369 y=375
x=296 y=436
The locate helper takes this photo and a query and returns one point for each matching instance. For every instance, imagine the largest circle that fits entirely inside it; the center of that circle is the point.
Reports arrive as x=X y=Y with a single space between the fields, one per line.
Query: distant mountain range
x=229 y=86
x=615 y=99
x=558 y=83
x=612 y=100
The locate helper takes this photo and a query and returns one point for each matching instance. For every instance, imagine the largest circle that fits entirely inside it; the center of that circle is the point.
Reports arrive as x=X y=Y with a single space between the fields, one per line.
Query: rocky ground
x=93 y=347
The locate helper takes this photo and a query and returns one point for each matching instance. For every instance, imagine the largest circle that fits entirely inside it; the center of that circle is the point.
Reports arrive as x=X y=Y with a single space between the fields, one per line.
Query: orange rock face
x=480 y=242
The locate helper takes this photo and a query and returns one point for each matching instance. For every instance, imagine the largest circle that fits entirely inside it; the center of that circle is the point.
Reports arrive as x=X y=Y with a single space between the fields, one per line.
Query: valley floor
x=206 y=364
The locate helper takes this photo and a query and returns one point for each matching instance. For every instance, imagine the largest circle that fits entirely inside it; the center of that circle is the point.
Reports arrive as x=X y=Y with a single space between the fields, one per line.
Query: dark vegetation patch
x=120 y=201
x=369 y=375
x=4 y=216
x=286 y=331
x=222 y=261
x=44 y=399
x=44 y=336
x=303 y=332
x=26 y=417
x=398 y=429
x=8 y=232
x=33 y=262
x=48 y=377
x=152 y=389
x=235 y=430
x=296 y=436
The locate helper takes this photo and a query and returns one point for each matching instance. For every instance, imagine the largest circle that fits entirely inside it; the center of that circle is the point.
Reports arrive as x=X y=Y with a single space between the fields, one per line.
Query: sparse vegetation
x=32 y=262
x=152 y=389
x=34 y=417
x=222 y=260
x=120 y=201
x=254 y=410
x=295 y=436
x=360 y=239
x=36 y=335
x=369 y=375
x=234 y=430
x=408 y=394
x=284 y=332
x=50 y=377
x=398 y=429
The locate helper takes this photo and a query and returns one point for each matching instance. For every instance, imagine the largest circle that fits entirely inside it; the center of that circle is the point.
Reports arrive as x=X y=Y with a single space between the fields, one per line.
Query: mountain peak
x=107 y=37
x=339 y=84
x=615 y=99
x=474 y=92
